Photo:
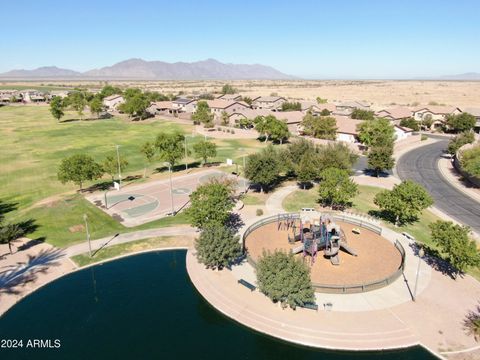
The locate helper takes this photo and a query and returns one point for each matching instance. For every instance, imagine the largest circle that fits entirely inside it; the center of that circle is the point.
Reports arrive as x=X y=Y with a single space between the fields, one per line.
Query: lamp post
x=171 y=185
x=186 y=153
x=421 y=254
x=88 y=235
x=119 y=170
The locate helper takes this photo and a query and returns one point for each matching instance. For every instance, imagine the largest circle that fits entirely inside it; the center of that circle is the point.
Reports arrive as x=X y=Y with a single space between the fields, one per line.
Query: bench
x=310 y=306
x=245 y=283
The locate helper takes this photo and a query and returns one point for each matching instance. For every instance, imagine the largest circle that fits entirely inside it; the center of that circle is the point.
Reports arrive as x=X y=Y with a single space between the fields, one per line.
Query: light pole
x=186 y=153
x=421 y=254
x=119 y=170
x=88 y=235
x=244 y=176
x=171 y=185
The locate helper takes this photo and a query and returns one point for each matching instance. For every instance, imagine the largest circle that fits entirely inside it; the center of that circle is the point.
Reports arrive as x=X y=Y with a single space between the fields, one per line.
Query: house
x=475 y=112
x=161 y=107
x=347 y=107
x=184 y=105
x=397 y=113
x=317 y=108
x=268 y=102
x=33 y=96
x=111 y=102
x=402 y=132
x=59 y=93
x=6 y=96
x=230 y=97
x=436 y=113
x=235 y=117
x=292 y=118
x=347 y=129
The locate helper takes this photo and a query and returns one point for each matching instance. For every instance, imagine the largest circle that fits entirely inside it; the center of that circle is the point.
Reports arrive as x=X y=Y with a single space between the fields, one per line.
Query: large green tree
x=336 y=189
x=170 y=147
x=109 y=90
x=263 y=168
x=271 y=128
x=56 y=107
x=96 y=105
x=205 y=149
x=307 y=170
x=110 y=165
x=404 y=202
x=378 y=132
x=203 y=115
x=135 y=105
x=461 y=122
x=228 y=89
x=337 y=155
x=410 y=123
x=380 y=158
x=217 y=247
x=361 y=114
x=323 y=127
x=78 y=169
x=148 y=150
x=210 y=204
x=458 y=141
x=285 y=279
x=78 y=100
x=453 y=241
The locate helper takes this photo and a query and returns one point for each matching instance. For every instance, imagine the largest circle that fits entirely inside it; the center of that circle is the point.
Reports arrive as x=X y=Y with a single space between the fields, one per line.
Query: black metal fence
x=337 y=289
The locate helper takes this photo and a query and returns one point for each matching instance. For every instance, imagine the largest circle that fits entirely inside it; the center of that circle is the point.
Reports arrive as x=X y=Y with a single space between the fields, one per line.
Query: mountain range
x=138 y=69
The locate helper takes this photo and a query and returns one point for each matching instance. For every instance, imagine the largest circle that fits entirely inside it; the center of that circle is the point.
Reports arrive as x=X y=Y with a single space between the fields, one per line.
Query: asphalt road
x=421 y=166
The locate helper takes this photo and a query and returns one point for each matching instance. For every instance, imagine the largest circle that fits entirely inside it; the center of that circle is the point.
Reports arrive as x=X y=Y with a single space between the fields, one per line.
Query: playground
x=338 y=253
x=134 y=205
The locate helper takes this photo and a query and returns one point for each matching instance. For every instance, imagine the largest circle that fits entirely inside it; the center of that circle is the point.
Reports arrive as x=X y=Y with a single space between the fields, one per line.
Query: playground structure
x=315 y=236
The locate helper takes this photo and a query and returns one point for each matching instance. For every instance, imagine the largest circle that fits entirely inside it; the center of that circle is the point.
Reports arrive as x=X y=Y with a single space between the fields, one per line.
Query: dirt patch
x=76 y=228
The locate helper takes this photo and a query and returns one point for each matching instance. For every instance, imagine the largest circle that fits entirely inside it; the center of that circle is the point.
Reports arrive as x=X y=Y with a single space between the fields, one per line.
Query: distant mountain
x=465 y=76
x=138 y=69
x=46 y=72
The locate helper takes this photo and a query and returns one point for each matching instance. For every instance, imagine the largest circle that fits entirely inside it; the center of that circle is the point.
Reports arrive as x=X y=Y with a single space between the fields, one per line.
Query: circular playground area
x=353 y=259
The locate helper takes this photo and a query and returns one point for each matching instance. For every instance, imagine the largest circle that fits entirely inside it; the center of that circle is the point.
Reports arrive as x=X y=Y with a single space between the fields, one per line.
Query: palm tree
x=10 y=233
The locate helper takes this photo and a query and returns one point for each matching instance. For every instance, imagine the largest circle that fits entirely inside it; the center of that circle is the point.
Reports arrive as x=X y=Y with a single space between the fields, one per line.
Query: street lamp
x=421 y=254
x=88 y=235
x=244 y=176
x=119 y=171
x=171 y=185
x=186 y=153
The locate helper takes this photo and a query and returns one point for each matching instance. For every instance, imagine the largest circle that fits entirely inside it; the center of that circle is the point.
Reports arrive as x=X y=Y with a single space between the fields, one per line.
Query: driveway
x=421 y=166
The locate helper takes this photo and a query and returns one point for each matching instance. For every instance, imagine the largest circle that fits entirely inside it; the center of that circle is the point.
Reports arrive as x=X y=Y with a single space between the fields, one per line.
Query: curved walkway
x=421 y=165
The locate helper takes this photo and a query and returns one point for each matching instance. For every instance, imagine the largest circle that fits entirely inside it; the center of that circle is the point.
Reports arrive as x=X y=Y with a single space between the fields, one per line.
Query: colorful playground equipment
x=315 y=236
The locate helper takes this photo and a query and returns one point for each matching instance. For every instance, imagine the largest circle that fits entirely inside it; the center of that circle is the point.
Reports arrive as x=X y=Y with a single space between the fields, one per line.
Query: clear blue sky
x=333 y=39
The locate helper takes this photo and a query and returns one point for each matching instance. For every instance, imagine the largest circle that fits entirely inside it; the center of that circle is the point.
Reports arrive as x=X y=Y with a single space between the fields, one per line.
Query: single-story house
x=111 y=102
x=230 y=97
x=268 y=102
x=317 y=108
x=397 y=113
x=184 y=105
x=235 y=117
x=347 y=107
x=33 y=96
x=402 y=132
x=159 y=107
x=347 y=129
x=436 y=113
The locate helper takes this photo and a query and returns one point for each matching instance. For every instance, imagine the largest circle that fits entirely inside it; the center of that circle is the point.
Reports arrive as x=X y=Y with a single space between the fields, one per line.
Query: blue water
x=144 y=307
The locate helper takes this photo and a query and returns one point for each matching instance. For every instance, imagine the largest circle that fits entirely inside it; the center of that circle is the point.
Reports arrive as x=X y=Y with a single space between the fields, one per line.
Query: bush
x=458 y=141
x=470 y=161
x=259 y=212
x=219 y=128
x=217 y=247
x=423 y=137
x=232 y=131
x=285 y=279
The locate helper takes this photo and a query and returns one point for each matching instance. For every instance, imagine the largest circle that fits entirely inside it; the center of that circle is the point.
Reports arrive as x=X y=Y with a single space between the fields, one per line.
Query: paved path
x=421 y=165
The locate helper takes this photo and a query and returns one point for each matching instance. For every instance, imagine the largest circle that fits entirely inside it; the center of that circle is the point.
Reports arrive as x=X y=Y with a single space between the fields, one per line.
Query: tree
x=10 y=233
x=247 y=99
x=461 y=122
x=224 y=118
x=336 y=189
x=217 y=247
x=148 y=150
x=458 y=141
x=203 y=115
x=321 y=101
x=135 y=105
x=324 y=127
x=228 y=89
x=170 y=147
x=245 y=123
x=285 y=279
x=96 y=105
x=272 y=128
x=78 y=169
x=335 y=155
x=306 y=170
x=361 y=114
x=404 y=202
x=378 y=132
x=410 y=123
x=205 y=149
x=77 y=101
x=109 y=90
x=381 y=158
x=325 y=112
x=453 y=241
x=470 y=161
x=291 y=106
x=56 y=107
x=263 y=168
x=210 y=204
x=110 y=165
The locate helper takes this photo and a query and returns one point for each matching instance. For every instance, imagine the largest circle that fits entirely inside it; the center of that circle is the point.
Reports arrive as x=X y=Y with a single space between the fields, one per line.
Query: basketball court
x=138 y=204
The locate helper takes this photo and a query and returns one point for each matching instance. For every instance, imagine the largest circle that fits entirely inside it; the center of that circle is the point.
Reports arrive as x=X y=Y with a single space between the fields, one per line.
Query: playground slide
x=347 y=248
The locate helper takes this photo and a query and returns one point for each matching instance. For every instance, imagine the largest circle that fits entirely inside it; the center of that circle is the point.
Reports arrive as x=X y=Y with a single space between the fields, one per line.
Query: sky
x=308 y=39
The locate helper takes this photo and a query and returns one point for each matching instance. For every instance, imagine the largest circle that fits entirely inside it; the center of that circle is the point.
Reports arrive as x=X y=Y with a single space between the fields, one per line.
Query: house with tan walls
x=268 y=102
x=111 y=102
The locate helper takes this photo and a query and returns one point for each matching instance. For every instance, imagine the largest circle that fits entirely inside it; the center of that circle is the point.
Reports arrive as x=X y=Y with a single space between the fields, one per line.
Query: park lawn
x=61 y=222
x=254 y=198
x=132 y=247
x=301 y=199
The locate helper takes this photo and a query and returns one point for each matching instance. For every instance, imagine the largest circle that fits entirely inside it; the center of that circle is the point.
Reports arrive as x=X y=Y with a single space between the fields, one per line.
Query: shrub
x=285 y=279
x=217 y=247
x=471 y=161
x=423 y=137
x=259 y=212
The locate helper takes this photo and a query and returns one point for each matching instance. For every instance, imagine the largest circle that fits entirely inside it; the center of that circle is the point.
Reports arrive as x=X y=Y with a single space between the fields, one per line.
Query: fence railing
x=342 y=289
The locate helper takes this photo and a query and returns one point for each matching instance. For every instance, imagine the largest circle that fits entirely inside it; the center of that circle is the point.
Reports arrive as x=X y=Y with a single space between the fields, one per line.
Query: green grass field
x=32 y=145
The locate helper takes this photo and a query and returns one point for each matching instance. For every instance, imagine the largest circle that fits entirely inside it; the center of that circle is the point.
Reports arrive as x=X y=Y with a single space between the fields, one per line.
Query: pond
x=143 y=307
